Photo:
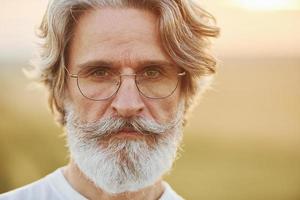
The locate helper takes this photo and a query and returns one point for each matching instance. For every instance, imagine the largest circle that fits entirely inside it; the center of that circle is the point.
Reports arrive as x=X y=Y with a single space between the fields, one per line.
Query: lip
x=128 y=132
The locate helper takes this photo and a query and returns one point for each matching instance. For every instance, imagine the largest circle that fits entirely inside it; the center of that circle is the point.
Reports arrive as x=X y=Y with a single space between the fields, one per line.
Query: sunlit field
x=242 y=142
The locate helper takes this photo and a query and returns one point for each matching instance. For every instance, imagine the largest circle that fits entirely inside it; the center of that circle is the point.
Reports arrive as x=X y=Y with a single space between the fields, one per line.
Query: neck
x=86 y=188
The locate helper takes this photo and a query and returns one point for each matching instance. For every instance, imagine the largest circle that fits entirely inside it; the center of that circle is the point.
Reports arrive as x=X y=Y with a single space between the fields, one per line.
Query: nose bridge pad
x=130 y=76
x=128 y=86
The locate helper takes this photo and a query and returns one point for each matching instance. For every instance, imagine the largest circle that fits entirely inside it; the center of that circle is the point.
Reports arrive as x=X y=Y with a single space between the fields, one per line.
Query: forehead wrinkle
x=132 y=54
x=121 y=38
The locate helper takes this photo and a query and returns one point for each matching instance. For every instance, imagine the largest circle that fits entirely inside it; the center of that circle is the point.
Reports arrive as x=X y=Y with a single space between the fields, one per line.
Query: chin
x=124 y=164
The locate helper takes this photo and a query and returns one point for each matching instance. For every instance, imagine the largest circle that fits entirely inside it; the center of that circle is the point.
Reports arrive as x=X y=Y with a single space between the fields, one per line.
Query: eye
x=100 y=72
x=152 y=73
x=96 y=73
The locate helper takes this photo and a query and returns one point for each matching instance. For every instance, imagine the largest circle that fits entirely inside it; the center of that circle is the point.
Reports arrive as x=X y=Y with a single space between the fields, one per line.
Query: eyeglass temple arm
x=70 y=74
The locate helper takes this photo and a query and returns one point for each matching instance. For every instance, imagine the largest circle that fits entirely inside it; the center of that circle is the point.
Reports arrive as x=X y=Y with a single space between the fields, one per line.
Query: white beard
x=123 y=165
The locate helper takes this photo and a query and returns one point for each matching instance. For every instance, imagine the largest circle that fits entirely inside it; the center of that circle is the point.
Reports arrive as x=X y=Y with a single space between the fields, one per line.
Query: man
x=121 y=75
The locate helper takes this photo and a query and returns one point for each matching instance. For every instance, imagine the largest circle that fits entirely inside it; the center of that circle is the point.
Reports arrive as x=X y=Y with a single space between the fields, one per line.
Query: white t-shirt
x=56 y=187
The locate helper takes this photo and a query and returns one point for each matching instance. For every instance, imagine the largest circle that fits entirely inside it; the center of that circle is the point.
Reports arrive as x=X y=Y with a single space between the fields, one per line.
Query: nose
x=128 y=102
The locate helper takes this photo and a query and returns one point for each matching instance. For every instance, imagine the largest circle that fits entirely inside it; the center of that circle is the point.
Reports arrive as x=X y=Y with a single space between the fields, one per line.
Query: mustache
x=112 y=125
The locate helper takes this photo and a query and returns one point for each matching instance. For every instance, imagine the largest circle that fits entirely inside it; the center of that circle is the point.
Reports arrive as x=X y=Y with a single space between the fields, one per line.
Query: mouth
x=128 y=132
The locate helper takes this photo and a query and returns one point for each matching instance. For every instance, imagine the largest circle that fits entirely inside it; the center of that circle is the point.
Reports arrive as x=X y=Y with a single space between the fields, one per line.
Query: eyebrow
x=109 y=63
x=94 y=63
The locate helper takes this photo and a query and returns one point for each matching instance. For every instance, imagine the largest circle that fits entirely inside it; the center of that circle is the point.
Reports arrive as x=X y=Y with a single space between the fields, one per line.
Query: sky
x=250 y=32
x=253 y=28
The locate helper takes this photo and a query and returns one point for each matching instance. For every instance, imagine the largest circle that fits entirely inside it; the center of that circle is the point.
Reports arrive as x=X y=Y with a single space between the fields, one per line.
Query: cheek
x=89 y=110
x=164 y=110
x=86 y=109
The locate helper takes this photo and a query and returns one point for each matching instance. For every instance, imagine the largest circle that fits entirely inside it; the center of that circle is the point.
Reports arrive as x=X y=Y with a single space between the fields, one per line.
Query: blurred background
x=243 y=139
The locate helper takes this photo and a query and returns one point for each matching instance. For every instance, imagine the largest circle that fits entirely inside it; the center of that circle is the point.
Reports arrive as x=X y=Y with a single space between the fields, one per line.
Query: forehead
x=123 y=35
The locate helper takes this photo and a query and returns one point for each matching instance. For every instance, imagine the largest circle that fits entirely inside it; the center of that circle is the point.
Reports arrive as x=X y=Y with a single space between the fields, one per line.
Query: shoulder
x=169 y=193
x=39 y=190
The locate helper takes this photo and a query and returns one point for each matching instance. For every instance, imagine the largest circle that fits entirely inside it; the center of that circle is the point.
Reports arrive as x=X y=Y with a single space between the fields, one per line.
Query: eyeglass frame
x=71 y=75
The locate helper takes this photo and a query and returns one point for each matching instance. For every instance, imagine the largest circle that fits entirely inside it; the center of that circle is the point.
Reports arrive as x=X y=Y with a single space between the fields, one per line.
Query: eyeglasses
x=101 y=83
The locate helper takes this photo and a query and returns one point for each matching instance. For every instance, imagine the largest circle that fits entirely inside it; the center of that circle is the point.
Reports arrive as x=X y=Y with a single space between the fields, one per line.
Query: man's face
x=127 y=41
